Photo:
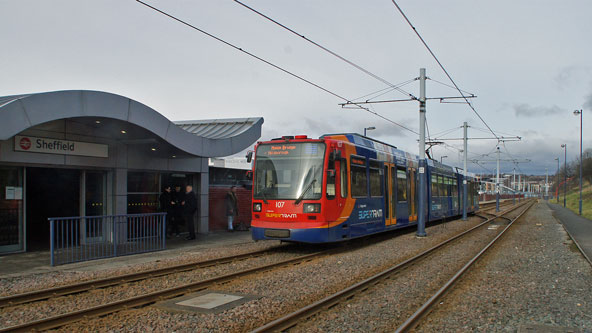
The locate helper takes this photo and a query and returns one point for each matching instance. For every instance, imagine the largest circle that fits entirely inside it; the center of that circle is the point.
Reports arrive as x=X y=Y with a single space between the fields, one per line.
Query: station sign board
x=34 y=144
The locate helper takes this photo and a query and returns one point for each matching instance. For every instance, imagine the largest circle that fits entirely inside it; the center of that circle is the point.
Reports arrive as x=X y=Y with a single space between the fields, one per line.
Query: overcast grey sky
x=527 y=61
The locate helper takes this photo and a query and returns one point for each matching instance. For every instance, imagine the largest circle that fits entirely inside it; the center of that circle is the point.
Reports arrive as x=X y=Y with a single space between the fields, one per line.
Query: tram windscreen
x=289 y=171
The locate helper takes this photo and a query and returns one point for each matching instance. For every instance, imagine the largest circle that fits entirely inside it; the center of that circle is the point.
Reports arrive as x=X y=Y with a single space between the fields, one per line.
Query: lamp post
x=557 y=183
x=580 y=112
x=564 y=146
x=441 y=157
x=369 y=129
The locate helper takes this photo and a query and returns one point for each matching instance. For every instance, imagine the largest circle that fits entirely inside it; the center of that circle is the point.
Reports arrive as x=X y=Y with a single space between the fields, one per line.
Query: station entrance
x=49 y=193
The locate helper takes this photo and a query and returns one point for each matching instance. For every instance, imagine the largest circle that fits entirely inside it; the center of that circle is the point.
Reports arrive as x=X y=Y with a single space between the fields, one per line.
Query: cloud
x=588 y=102
x=570 y=76
x=525 y=110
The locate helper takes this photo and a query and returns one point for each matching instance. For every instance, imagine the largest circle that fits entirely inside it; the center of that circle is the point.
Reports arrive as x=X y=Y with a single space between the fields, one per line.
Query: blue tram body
x=344 y=186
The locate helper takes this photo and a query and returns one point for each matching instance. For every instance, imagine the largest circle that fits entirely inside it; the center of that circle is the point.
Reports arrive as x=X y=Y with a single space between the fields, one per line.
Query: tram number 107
x=280 y=204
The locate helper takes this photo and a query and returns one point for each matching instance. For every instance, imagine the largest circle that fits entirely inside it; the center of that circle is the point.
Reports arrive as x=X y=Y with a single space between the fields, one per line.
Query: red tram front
x=295 y=194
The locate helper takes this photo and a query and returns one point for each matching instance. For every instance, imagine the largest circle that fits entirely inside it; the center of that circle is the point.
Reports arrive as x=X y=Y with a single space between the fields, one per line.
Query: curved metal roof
x=207 y=138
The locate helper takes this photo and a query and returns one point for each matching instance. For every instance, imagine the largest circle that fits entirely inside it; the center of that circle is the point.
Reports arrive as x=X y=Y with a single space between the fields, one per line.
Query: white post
x=466 y=153
x=497 y=186
x=547 y=184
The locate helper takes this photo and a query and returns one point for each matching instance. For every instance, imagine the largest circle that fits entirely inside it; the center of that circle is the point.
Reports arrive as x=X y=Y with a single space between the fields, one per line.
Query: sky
x=528 y=62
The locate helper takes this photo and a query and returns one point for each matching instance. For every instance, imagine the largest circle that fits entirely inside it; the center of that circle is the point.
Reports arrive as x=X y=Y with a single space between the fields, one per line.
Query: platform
x=39 y=262
x=578 y=227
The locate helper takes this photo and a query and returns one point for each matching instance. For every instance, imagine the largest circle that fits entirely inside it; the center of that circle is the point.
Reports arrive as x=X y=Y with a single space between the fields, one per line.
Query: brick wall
x=217 y=206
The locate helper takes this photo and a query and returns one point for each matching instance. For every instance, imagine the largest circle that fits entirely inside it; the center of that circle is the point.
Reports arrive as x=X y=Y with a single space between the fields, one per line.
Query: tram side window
x=434 y=186
x=359 y=181
x=441 y=186
x=375 y=183
x=401 y=185
x=343 y=178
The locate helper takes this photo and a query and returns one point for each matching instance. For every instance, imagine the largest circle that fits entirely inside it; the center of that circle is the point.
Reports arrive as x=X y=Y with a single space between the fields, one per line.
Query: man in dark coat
x=178 y=198
x=167 y=205
x=231 y=207
x=189 y=209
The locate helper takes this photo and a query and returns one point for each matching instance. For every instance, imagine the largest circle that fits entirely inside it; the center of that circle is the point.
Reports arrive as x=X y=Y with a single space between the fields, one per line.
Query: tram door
x=412 y=200
x=390 y=189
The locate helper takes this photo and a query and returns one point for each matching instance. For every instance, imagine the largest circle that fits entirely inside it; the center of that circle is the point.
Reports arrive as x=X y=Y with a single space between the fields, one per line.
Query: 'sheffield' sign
x=56 y=146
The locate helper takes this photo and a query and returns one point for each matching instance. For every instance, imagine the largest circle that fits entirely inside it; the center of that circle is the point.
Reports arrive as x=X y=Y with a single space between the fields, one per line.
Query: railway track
x=38 y=295
x=425 y=308
x=294 y=318
x=142 y=300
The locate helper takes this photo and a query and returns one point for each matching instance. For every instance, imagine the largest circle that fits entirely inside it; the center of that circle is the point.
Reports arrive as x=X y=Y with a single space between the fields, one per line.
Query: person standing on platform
x=167 y=204
x=189 y=209
x=231 y=207
x=178 y=197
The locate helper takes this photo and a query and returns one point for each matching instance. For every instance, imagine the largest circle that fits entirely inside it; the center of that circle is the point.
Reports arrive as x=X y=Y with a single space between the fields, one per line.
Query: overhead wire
x=447 y=85
x=272 y=64
x=443 y=69
x=385 y=90
x=327 y=50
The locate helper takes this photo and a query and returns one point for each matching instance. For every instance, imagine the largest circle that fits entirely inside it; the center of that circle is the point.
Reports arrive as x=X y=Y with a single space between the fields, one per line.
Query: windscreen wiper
x=264 y=198
x=304 y=192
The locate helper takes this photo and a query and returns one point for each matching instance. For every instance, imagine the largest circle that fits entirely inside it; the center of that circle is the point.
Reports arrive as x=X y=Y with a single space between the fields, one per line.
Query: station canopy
x=128 y=121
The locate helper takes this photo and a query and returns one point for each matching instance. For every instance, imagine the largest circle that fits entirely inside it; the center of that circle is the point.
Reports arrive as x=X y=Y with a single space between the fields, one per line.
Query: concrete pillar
x=120 y=191
x=203 y=218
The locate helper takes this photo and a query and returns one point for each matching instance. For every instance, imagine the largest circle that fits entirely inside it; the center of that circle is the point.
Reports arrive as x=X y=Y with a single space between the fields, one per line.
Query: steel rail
x=142 y=300
x=42 y=294
x=413 y=320
x=291 y=319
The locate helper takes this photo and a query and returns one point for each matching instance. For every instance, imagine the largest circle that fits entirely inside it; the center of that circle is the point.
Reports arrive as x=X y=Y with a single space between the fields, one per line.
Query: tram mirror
x=249 y=156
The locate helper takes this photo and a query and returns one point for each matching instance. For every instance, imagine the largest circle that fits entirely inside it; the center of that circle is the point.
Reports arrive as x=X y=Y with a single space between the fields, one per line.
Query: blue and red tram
x=344 y=186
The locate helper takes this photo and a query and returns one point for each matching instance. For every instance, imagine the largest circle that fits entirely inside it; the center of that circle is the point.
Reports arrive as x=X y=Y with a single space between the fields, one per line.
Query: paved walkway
x=578 y=227
x=38 y=261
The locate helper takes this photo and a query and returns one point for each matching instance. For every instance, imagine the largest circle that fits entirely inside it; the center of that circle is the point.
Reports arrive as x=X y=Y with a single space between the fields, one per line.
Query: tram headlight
x=312 y=207
x=257 y=207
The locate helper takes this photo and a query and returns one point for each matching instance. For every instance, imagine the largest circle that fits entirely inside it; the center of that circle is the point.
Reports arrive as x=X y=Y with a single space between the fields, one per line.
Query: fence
x=74 y=239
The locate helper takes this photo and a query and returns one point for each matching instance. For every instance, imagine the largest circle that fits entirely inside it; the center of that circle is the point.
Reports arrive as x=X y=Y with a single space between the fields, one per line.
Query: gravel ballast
x=535 y=276
x=283 y=290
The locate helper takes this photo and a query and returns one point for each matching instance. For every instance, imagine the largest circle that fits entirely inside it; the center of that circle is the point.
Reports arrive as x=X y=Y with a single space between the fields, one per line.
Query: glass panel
x=359 y=182
x=142 y=182
x=387 y=198
x=394 y=191
x=95 y=194
x=401 y=185
x=413 y=196
x=375 y=188
x=289 y=171
x=142 y=203
x=343 y=166
x=11 y=208
x=434 y=185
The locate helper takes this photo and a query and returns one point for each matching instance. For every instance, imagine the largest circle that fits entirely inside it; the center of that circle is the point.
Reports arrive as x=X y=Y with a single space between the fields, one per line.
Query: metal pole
x=557 y=184
x=466 y=153
x=513 y=187
x=422 y=162
x=581 y=161
x=364 y=131
x=497 y=189
x=565 y=172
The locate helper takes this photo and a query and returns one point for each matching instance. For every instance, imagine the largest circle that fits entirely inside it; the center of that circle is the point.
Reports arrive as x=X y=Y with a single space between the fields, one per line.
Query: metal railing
x=74 y=239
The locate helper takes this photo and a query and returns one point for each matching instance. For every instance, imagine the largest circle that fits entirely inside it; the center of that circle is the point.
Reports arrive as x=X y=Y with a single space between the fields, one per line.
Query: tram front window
x=289 y=171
